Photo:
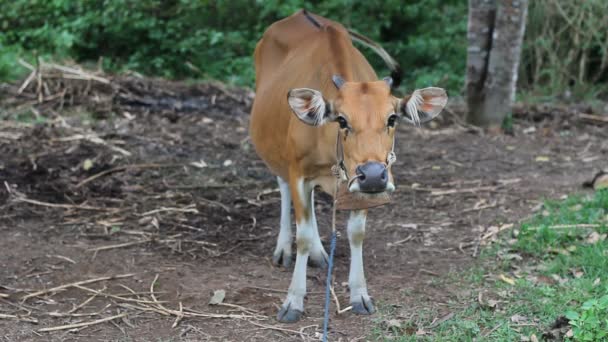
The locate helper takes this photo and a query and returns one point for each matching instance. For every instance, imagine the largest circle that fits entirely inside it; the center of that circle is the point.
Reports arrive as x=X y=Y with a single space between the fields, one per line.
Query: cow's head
x=366 y=114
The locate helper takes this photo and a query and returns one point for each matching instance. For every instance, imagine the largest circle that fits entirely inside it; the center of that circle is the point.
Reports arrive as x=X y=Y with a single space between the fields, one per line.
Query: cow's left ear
x=423 y=105
x=309 y=106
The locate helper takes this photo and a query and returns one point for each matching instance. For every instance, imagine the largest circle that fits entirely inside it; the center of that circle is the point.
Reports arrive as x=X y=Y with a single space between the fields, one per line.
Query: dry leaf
x=577 y=273
x=519 y=319
x=596 y=282
x=570 y=333
x=559 y=279
x=511 y=256
x=506 y=279
x=87 y=164
x=577 y=207
x=200 y=164
x=533 y=338
x=545 y=280
x=393 y=323
x=595 y=237
x=492 y=303
x=542 y=159
x=218 y=297
x=421 y=332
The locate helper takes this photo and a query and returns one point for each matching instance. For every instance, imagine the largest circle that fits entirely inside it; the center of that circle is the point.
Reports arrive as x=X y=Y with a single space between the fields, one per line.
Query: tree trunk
x=495 y=35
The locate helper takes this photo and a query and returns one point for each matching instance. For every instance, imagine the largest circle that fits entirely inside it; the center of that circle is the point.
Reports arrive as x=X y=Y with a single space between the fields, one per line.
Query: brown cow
x=307 y=65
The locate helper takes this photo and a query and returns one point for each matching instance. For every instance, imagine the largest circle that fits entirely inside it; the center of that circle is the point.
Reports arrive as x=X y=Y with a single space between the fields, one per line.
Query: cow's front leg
x=359 y=299
x=293 y=306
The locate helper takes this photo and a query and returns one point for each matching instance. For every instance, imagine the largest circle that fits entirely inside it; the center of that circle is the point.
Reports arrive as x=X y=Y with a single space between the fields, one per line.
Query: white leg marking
x=359 y=297
x=293 y=306
x=297 y=289
x=282 y=253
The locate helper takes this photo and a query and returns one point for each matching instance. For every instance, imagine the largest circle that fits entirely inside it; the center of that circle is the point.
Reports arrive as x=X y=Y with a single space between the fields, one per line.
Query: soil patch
x=167 y=186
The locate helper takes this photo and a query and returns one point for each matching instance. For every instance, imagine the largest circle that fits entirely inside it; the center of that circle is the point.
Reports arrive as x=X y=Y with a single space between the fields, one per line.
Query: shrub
x=566 y=48
x=216 y=39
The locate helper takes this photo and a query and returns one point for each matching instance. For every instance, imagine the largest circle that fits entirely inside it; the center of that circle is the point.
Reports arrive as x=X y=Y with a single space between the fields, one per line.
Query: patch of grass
x=554 y=270
x=28 y=117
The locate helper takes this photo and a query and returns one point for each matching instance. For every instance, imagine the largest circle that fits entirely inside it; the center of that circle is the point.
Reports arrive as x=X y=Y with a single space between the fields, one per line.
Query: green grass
x=551 y=271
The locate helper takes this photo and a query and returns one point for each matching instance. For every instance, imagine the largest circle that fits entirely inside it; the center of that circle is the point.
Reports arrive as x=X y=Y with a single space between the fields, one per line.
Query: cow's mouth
x=355 y=186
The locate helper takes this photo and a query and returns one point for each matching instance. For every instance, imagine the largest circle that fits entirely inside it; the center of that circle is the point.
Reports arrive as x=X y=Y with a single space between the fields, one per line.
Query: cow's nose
x=373 y=177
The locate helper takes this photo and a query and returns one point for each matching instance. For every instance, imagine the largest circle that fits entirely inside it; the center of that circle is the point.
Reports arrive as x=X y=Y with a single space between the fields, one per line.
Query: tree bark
x=495 y=35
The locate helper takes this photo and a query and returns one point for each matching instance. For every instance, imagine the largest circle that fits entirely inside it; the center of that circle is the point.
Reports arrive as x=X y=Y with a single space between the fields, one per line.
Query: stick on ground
x=82 y=282
x=83 y=324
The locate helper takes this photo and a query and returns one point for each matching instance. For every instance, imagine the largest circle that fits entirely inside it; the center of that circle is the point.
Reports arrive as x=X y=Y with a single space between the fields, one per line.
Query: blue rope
x=330 y=265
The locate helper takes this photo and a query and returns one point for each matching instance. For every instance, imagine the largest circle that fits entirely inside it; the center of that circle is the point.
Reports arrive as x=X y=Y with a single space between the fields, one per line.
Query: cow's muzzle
x=371 y=177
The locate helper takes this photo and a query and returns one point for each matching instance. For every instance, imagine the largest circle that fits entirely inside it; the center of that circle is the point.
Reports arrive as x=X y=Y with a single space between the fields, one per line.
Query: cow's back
x=296 y=53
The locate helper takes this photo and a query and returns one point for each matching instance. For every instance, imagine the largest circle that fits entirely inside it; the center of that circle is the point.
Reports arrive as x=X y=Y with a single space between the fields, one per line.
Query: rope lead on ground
x=330 y=264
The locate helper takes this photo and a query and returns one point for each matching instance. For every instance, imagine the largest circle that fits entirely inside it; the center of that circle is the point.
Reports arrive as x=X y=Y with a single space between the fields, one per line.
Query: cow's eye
x=342 y=122
x=392 y=120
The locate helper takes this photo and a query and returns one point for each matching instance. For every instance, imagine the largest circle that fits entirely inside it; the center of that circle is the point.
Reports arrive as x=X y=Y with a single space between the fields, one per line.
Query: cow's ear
x=309 y=106
x=423 y=105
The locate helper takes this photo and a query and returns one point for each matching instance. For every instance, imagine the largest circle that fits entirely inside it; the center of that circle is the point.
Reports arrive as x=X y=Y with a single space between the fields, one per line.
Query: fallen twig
x=83 y=304
x=458 y=191
x=62 y=258
x=568 y=226
x=120 y=245
x=481 y=207
x=20 y=318
x=63 y=206
x=437 y=322
x=495 y=232
x=338 y=310
x=141 y=301
x=83 y=324
x=82 y=282
x=595 y=118
x=98 y=313
x=178 y=317
x=272 y=327
x=492 y=330
x=187 y=209
x=397 y=243
x=123 y=168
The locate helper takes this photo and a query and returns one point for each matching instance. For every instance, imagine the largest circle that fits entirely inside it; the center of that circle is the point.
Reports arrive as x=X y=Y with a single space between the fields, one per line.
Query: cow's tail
x=396 y=73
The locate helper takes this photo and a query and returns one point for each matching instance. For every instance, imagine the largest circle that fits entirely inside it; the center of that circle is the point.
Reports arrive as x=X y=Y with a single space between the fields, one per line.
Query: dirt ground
x=163 y=190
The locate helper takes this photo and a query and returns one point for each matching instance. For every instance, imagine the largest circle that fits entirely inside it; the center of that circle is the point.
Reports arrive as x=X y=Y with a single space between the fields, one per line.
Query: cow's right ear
x=309 y=106
x=423 y=105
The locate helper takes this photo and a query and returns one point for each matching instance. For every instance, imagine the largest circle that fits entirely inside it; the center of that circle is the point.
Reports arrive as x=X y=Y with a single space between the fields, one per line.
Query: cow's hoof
x=363 y=307
x=289 y=315
x=281 y=258
x=318 y=258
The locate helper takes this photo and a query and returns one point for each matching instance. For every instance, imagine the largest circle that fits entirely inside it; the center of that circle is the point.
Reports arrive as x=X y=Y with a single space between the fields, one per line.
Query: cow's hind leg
x=293 y=306
x=318 y=256
x=359 y=299
x=282 y=253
